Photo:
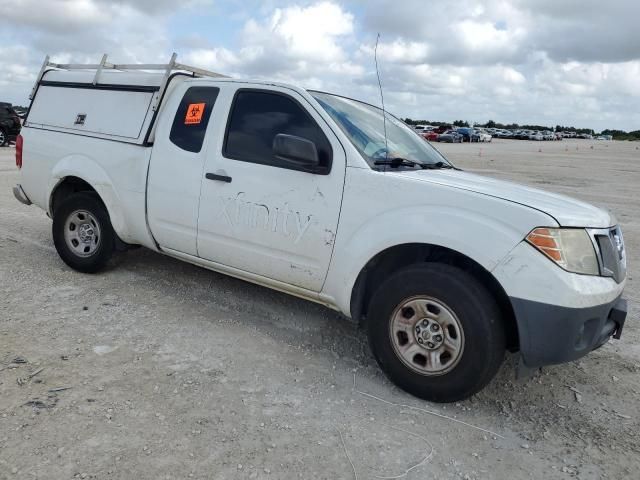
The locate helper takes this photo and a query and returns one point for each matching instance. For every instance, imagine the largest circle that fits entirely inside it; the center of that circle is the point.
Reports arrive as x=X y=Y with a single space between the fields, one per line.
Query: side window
x=258 y=116
x=191 y=120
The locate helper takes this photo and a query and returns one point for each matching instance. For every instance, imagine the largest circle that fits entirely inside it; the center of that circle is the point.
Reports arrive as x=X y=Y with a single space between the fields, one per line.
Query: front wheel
x=3 y=138
x=82 y=232
x=436 y=332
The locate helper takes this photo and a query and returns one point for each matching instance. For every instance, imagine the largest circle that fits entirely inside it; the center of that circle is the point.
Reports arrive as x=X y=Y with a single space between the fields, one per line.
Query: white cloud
x=292 y=44
x=58 y=16
x=513 y=76
x=486 y=40
x=14 y=71
x=78 y=31
x=313 y=31
x=528 y=61
x=398 y=51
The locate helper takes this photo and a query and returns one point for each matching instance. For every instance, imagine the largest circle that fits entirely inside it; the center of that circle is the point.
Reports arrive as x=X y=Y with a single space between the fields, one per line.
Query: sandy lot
x=172 y=371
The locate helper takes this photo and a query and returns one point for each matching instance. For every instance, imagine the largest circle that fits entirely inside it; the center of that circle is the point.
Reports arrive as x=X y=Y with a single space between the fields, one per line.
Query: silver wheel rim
x=426 y=336
x=2 y=138
x=82 y=233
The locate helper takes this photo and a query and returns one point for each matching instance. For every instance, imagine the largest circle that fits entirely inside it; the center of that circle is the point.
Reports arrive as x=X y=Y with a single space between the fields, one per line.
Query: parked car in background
x=423 y=128
x=431 y=136
x=468 y=134
x=444 y=128
x=527 y=135
x=485 y=136
x=537 y=136
x=21 y=112
x=10 y=124
x=450 y=136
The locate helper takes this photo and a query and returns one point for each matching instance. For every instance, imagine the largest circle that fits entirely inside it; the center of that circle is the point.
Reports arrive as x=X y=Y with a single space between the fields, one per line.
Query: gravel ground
x=172 y=371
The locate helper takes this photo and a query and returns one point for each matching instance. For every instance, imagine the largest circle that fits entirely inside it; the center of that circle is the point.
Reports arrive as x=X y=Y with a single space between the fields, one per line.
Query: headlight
x=571 y=248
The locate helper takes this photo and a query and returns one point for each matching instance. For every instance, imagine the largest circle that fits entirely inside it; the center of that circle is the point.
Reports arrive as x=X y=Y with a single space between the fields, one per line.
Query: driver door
x=259 y=214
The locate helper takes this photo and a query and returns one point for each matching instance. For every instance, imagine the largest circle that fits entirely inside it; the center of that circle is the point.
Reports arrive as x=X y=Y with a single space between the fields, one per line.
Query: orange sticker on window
x=195 y=113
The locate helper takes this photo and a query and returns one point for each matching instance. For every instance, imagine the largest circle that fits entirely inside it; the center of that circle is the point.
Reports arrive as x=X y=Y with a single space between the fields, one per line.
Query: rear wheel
x=82 y=232
x=3 y=138
x=436 y=332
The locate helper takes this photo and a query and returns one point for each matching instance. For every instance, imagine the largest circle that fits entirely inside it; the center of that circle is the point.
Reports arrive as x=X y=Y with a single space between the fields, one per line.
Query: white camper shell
x=115 y=101
x=326 y=198
x=118 y=108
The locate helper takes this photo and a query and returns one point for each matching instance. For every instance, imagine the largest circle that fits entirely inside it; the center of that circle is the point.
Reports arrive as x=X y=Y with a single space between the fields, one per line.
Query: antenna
x=384 y=112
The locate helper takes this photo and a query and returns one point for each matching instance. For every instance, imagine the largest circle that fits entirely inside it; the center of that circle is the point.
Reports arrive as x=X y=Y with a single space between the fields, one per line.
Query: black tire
x=4 y=137
x=91 y=203
x=479 y=317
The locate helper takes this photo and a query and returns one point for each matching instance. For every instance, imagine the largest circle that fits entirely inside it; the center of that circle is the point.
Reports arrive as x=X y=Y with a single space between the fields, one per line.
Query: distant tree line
x=616 y=134
x=560 y=128
x=622 y=135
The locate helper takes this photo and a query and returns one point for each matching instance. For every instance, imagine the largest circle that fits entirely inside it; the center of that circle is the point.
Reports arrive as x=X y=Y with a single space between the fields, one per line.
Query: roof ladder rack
x=168 y=69
x=165 y=81
x=43 y=70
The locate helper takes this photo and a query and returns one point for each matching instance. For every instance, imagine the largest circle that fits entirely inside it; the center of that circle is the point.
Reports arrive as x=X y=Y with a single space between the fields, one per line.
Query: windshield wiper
x=439 y=166
x=398 y=162
x=403 y=162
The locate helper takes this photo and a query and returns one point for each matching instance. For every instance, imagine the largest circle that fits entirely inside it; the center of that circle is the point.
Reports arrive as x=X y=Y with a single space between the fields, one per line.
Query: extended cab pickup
x=301 y=191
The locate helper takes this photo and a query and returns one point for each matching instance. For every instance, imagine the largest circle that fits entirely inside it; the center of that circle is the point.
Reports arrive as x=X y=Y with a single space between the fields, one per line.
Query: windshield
x=364 y=126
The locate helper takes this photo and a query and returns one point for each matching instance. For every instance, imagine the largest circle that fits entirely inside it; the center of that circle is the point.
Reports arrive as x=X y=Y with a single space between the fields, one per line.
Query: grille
x=612 y=254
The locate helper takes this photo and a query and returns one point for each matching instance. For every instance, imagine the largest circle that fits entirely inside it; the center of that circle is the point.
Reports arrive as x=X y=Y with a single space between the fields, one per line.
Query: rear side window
x=257 y=116
x=190 y=124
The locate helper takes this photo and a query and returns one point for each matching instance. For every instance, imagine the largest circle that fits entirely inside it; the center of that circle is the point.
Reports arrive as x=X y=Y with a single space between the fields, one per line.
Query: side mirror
x=298 y=152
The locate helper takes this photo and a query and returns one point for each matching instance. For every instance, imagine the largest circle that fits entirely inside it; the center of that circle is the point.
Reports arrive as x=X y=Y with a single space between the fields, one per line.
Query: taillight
x=19 y=144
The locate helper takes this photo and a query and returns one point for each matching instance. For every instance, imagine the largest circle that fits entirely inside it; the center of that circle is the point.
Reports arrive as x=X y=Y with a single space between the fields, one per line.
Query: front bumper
x=18 y=192
x=551 y=334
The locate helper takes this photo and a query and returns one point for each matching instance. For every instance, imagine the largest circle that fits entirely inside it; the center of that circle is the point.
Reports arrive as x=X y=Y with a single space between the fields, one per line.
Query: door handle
x=219 y=178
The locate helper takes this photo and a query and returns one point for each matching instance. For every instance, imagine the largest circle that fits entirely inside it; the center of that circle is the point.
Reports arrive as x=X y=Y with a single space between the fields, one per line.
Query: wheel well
x=66 y=187
x=69 y=186
x=395 y=258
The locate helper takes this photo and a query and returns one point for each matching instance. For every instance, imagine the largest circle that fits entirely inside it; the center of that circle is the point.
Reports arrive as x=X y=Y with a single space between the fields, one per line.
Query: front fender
x=83 y=167
x=482 y=228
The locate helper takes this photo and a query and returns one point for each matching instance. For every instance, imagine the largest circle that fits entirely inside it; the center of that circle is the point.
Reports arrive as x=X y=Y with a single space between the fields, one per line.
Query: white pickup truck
x=301 y=191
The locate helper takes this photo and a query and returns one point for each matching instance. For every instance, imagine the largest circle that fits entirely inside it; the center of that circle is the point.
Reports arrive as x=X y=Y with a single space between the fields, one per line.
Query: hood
x=567 y=211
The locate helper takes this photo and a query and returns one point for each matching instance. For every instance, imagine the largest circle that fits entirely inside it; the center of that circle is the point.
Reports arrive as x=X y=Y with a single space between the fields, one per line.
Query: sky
x=549 y=62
